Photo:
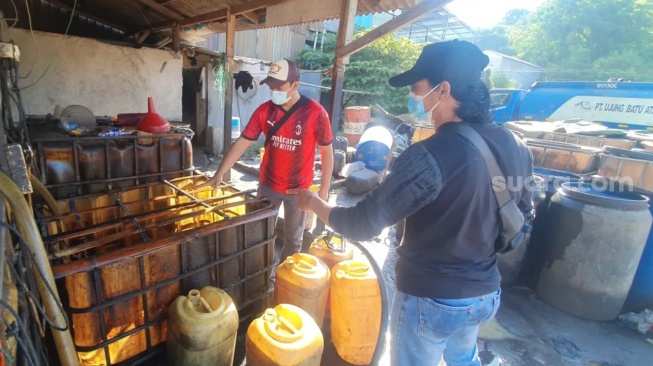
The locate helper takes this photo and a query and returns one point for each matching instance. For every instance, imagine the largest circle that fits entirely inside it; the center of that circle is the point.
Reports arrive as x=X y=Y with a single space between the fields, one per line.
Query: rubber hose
x=380 y=342
x=29 y=230
x=40 y=189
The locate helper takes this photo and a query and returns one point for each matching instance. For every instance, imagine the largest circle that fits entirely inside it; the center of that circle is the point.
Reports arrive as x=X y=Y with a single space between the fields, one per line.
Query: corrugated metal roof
x=134 y=16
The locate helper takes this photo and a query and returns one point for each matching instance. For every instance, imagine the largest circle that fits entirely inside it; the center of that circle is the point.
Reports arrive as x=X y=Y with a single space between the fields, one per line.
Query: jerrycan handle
x=327 y=239
x=280 y=328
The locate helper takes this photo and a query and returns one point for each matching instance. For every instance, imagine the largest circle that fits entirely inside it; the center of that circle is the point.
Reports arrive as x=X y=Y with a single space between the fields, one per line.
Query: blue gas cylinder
x=375 y=148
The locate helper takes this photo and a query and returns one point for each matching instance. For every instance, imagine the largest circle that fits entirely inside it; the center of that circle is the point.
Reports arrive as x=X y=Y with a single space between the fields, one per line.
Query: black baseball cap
x=445 y=61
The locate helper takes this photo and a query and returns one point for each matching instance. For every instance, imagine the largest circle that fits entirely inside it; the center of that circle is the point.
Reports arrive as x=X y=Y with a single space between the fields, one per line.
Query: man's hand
x=213 y=182
x=306 y=198
x=323 y=193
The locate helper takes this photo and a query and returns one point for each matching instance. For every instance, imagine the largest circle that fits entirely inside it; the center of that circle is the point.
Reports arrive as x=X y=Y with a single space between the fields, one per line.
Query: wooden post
x=228 y=100
x=406 y=17
x=176 y=39
x=345 y=33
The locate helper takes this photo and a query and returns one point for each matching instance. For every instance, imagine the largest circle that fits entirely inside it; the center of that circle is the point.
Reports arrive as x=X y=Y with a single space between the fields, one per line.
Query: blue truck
x=623 y=105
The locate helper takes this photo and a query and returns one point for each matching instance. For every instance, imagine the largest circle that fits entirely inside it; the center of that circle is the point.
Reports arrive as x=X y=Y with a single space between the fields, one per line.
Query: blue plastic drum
x=375 y=148
x=641 y=291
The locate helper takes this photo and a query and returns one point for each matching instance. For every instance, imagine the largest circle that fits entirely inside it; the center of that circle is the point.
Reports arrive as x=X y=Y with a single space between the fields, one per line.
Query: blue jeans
x=423 y=329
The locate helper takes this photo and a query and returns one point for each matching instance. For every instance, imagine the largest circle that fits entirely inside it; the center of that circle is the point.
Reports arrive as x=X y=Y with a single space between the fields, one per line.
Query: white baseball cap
x=281 y=72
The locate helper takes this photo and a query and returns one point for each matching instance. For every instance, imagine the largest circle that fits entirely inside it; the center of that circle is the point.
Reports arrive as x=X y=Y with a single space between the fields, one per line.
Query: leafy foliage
x=369 y=70
x=588 y=40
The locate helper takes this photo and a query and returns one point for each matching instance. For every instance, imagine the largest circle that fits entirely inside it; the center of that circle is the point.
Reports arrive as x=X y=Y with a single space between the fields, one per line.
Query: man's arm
x=235 y=152
x=326 y=154
x=414 y=182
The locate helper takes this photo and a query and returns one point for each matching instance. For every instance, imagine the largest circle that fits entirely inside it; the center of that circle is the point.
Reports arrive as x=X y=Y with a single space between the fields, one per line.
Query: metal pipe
x=89 y=263
x=40 y=189
x=29 y=230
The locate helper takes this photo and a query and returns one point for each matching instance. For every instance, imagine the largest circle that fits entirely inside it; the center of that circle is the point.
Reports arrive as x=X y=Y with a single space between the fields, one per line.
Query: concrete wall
x=105 y=78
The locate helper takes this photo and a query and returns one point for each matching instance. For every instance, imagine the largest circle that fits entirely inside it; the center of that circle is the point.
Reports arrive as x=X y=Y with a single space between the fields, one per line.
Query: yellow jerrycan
x=202 y=329
x=303 y=280
x=284 y=336
x=355 y=311
x=331 y=250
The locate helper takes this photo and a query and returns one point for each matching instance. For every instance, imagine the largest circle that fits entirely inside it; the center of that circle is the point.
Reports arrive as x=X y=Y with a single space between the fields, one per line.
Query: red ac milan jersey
x=288 y=160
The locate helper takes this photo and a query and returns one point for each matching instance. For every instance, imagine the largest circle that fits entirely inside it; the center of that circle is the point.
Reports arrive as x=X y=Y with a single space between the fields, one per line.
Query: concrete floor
x=525 y=332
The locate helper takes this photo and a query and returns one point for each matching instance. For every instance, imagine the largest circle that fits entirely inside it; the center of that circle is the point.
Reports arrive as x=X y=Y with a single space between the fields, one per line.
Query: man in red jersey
x=289 y=148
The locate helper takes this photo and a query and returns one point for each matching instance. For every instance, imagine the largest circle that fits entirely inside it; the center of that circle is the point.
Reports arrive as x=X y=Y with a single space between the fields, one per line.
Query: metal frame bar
x=181 y=240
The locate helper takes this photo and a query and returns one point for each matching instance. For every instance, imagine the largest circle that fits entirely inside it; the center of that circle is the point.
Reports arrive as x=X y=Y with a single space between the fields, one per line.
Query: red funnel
x=152 y=122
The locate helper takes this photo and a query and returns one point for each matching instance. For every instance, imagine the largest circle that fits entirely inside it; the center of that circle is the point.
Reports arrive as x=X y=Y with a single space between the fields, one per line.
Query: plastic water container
x=303 y=280
x=375 y=148
x=235 y=127
x=330 y=252
x=202 y=328
x=284 y=336
x=355 y=311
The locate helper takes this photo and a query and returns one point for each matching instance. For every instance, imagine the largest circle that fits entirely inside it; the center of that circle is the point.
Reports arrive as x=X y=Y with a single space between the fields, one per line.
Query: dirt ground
x=525 y=332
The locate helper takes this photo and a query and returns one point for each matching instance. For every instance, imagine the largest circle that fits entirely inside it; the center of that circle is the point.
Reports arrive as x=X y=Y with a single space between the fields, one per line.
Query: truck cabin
x=504 y=104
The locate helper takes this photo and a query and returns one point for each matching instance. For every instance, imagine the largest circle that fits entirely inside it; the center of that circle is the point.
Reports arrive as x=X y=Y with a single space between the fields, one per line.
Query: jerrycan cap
x=283 y=324
x=353 y=269
x=302 y=263
x=201 y=306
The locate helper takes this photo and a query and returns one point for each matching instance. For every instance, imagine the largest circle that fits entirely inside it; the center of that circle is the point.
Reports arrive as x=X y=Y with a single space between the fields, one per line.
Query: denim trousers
x=423 y=329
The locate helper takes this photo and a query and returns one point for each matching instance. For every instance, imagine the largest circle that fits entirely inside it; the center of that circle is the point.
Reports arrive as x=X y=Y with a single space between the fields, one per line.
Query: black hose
x=380 y=342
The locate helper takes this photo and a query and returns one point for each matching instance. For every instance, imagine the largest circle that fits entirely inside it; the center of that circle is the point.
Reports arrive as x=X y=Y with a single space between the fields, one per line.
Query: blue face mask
x=416 y=107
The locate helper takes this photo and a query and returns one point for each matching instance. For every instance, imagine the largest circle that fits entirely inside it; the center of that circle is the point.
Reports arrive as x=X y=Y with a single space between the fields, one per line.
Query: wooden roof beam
x=406 y=17
x=221 y=14
x=253 y=17
x=161 y=9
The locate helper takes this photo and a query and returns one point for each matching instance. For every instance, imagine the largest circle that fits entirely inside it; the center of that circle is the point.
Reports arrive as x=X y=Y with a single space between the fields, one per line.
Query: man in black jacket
x=446 y=275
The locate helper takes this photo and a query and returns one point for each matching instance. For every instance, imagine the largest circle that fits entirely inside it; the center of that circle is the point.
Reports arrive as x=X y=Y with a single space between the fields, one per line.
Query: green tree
x=369 y=70
x=587 y=39
x=496 y=38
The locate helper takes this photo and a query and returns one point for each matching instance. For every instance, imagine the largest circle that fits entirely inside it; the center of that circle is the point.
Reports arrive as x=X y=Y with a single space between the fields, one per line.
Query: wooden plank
x=252 y=16
x=228 y=100
x=405 y=18
x=161 y=9
x=163 y=42
x=235 y=10
x=79 y=11
x=140 y=38
x=345 y=33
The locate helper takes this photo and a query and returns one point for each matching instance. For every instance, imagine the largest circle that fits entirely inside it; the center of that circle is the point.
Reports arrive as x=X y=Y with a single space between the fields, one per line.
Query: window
x=498 y=100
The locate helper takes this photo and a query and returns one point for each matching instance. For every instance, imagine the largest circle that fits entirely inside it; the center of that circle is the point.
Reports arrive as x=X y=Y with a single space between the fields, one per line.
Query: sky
x=487 y=13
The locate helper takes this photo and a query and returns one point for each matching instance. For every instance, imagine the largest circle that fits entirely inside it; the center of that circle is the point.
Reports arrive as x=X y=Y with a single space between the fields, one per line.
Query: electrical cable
x=23 y=288
x=25 y=248
x=63 y=40
x=31 y=29
x=15 y=14
x=21 y=328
